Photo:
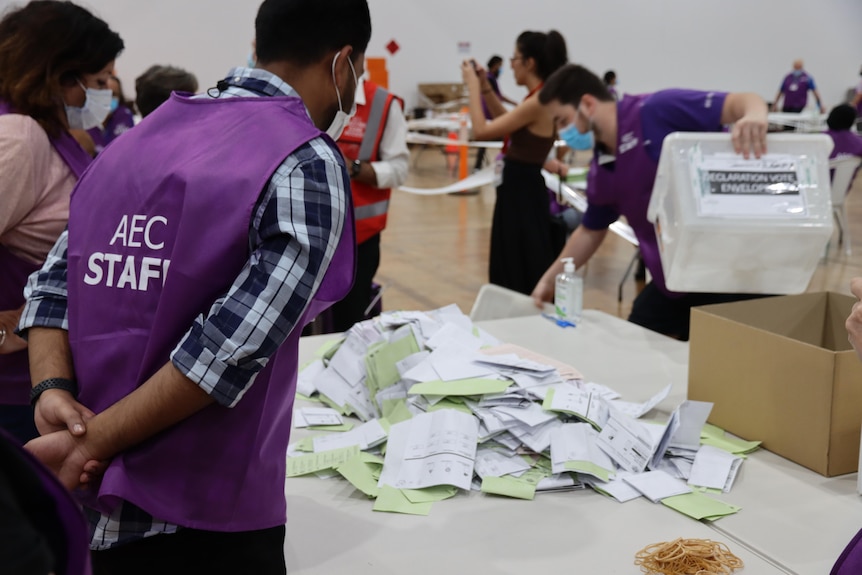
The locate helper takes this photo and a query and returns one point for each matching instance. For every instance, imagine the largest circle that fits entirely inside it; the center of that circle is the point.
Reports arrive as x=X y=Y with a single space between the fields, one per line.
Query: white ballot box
x=731 y=225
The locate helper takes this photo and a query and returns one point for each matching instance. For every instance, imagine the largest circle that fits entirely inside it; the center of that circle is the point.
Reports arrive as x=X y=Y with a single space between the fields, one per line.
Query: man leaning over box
x=198 y=246
x=628 y=136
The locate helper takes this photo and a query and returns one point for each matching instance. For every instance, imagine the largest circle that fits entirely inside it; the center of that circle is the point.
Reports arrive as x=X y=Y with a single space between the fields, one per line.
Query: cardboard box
x=781 y=370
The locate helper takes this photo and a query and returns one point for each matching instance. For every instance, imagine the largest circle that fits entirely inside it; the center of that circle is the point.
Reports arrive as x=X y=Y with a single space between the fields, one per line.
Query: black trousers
x=352 y=308
x=192 y=551
x=654 y=310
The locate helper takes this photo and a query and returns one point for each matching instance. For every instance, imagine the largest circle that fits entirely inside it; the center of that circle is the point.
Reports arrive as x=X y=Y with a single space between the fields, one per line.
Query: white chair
x=845 y=169
x=495 y=302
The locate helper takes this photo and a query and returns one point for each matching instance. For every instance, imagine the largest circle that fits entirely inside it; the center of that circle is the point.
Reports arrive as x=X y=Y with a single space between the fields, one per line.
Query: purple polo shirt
x=623 y=186
x=795 y=90
x=846 y=143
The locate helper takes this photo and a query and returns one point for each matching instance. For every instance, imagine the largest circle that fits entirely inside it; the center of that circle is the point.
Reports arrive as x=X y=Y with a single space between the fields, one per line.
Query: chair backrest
x=845 y=168
x=495 y=302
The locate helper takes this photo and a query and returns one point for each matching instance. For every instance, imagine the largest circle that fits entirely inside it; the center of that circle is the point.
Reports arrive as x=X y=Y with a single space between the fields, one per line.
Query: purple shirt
x=795 y=89
x=846 y=143
x=623 y=186
x=121 y=120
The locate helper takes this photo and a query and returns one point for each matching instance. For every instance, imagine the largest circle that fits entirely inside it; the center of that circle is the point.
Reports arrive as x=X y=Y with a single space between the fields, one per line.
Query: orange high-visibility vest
x=361 y=141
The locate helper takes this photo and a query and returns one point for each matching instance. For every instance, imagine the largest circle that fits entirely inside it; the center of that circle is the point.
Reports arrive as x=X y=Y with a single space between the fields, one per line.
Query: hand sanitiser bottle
x=569 y=293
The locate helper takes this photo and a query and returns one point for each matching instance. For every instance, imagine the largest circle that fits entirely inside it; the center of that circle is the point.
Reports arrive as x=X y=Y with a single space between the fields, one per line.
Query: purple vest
x=628 y=187
x=795 y=90
x=850 y=560
x=14 y=367
x=172 y=201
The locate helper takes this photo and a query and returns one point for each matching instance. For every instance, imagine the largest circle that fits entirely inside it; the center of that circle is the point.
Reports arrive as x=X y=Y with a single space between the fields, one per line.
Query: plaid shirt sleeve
x=46 y=292
x=295 y=231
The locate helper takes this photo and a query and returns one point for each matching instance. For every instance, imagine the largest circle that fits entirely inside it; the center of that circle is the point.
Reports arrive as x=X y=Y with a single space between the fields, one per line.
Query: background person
x=794 y=91
x=55 y=62
x=628 y=137
x=374 y=145
x=154 y=87
x=522 y=241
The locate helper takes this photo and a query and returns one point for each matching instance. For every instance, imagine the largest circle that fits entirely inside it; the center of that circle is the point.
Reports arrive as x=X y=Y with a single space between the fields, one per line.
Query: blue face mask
x=115 y=103
x=575 y=139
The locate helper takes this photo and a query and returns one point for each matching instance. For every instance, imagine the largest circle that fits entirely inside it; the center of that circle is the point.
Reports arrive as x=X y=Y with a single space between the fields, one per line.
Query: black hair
x=494 y=60
x=548 y=51
x=609 y=77
x=154 y=86
x=841 y=117
x=569 y=84
x=304 y=31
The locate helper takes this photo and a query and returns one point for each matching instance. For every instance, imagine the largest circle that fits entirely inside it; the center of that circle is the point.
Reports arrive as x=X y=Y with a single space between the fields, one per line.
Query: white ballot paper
x=492 y=463
x=308 y=416
x=657 y=485
x=616 y=488
x=628 y=442
x=586 y=405
x=349 y=360
x=305 y=379
x=436 y=448
x=574 y=448
x=365 y=436
x=714 y=468
x=692 y=418
x=661 y=446
x=454 y=337
x=637 y=410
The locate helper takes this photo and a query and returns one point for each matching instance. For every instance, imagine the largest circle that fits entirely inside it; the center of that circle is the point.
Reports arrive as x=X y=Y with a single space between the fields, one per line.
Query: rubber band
x=688 y=557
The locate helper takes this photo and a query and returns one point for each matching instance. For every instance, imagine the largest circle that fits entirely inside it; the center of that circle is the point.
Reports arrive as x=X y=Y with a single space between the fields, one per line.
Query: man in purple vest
x=794 y=89
x=628 y=136
x=198 y=246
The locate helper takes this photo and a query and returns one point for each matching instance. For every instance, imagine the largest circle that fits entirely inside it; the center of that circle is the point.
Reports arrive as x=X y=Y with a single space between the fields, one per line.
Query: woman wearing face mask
x=55 y=62
x=120 y=118
x=522 y=246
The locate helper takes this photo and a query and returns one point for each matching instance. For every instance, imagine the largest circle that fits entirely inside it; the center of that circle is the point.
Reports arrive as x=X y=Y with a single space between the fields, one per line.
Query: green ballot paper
x=305 y=464
x=393 y=500
x=699 y=506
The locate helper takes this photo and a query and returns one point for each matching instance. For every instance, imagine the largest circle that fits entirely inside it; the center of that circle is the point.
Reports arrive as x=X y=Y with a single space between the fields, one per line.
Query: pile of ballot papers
x=445 y=408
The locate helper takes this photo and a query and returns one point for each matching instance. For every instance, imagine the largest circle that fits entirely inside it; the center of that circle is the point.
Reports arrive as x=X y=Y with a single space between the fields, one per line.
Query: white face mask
x=97 y=106
x=342 y=118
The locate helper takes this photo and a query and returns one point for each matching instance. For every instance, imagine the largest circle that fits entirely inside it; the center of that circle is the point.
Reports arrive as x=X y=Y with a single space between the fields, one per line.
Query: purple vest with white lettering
x=795 y=90
x=14 y=270
x=185 y=182
x=628 y=187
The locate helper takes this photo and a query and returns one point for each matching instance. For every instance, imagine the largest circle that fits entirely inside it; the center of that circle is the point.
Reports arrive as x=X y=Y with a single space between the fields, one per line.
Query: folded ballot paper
x=445 y=408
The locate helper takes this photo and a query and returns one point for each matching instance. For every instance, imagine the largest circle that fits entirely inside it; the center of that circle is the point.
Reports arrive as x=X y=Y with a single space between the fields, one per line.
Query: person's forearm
x=581 y=246
x=50 y=354
x=492 y=102
x=366 y=175
x=738 y=105
x=167 y=398
x=477 y=115
x=819 y=100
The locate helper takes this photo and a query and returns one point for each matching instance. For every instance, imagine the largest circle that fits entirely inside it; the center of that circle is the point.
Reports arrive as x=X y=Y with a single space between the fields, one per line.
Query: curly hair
x=45 y=46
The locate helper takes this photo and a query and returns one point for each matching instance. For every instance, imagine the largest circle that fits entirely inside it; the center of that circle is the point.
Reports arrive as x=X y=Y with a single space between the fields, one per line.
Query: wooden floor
x=435 y=249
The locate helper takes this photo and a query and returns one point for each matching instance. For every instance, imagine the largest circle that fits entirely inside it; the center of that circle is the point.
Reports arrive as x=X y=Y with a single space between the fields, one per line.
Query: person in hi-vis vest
x=374 y=145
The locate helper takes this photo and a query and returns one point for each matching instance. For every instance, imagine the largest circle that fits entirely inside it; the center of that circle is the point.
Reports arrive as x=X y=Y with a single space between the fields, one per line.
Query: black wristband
x=53 y=383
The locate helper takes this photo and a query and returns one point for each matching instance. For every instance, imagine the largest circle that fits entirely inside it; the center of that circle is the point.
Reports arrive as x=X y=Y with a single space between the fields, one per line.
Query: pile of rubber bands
x=688 y=557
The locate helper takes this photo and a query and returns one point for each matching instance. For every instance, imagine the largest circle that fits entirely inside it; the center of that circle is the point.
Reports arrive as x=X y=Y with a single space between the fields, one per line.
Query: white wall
x=711 y=44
